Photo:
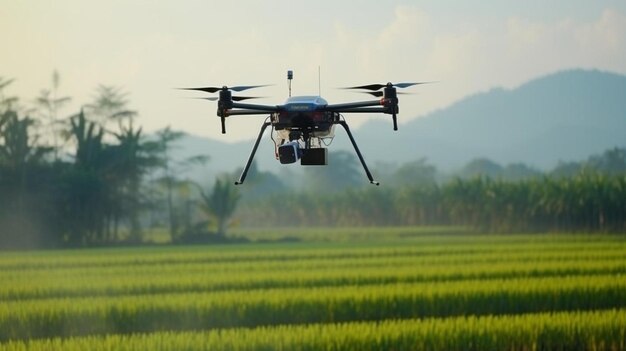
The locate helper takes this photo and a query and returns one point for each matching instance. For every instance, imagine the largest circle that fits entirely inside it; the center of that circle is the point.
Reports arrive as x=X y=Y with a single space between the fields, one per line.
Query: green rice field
x=323 y=289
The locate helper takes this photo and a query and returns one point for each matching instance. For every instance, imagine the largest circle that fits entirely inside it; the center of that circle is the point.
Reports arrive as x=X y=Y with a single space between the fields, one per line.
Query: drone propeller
x=235 y=98
x=380 y=93
x=375 y=87
x=225 y=93
x=235 y=88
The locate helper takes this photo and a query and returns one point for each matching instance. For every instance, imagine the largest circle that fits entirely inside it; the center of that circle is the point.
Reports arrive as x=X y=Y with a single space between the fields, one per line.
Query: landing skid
x=244 y=173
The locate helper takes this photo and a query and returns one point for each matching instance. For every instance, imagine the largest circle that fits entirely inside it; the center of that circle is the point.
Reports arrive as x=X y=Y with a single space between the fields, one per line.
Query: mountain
x=564 y=116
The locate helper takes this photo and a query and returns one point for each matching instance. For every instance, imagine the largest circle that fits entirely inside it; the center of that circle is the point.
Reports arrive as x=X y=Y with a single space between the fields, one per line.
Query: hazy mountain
x=565 y=116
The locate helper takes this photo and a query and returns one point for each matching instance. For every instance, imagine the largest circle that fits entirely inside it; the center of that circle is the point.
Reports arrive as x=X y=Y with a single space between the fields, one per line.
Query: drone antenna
x=319 y=81
x=289 y=78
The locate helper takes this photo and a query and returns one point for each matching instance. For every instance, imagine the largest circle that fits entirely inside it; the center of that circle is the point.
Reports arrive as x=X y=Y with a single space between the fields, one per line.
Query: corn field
x=392 y=288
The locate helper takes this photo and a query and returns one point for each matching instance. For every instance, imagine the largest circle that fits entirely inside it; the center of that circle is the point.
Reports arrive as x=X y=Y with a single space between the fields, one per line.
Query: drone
x=304 y=124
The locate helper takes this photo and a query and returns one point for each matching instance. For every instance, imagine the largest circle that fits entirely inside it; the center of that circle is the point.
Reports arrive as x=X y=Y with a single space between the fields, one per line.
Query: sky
x=148 y=48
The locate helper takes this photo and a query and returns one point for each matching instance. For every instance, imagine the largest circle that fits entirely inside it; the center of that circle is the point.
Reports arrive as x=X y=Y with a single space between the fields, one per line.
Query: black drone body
x=303 y=122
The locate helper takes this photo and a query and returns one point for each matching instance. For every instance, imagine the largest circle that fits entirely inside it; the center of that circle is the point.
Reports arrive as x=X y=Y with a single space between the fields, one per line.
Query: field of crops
x=350 y=289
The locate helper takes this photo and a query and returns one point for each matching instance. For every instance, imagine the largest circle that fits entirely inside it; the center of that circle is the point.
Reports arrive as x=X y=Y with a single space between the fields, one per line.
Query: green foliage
x=589 y=202
x=220 y=204
x=481 y=167
x=178 y=214
x=18 y=148
x=418 y=173
x=70 y=203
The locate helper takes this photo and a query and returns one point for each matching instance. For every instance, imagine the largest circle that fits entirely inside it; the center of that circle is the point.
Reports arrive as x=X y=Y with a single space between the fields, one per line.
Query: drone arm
x=358 y=152
x=388 y=105
x=244 y=112
x=256 y=145
x=255 y=107
x=352 y=105
x=364 y=110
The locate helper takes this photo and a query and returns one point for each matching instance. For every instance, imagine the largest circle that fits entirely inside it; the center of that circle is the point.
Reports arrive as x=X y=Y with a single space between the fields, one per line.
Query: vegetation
x=394 y=288
x=94 y=178
x=95 y=188
x=588 y=202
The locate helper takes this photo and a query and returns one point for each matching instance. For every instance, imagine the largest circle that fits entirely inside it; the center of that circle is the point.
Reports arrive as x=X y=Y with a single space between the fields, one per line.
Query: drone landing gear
x=256 y=145
x=358 y=152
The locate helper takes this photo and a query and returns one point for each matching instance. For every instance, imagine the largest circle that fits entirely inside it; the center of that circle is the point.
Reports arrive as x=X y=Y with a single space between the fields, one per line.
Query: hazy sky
x=150 y=47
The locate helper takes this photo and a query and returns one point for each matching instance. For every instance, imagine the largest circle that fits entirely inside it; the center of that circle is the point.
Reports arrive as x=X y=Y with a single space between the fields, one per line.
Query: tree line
x=92 y=178
x=590 y=201
x=587 y=195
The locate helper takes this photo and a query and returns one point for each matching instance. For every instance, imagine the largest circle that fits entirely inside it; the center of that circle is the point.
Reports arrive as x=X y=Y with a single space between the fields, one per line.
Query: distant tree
x=49 y=101
x=131 y=159
x=566 y=169
x=611 y=162
x=261 y=183
x=110 y=104
x=18 y=147
x=342 y=172
x=481 y=167
x=166 y=137
x=220 y=204
x=24 y=183
x=7 y=102
x=519 y=171
x=415 y=173
x=86 y=187
x=171 y=170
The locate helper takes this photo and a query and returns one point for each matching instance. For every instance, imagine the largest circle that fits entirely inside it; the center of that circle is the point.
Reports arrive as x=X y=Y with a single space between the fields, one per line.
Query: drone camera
x=289 y=152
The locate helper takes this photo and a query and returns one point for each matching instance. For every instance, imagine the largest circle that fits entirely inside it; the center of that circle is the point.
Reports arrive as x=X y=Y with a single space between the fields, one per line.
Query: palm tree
x=51 y=103
x=111 y=104
x=18 y=149
x=165 y=142
x=220 y=204
x=131 y=159
x=6 y=103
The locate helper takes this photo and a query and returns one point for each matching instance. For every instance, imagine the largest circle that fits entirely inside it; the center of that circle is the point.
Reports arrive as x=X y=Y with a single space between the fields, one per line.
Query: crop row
x=203 y=279
x=174 y=260
x=597 y=330
x=288 y=253
x=143 y=313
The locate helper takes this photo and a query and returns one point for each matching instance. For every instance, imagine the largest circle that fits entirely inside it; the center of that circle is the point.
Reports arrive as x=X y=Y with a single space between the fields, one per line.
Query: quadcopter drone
x=303 y=124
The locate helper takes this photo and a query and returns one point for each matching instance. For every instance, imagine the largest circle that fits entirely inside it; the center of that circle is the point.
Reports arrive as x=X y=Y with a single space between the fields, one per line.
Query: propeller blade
x=380 y=93
x=205 y=89
x=235 y=88
x=368 y=87
x=246 y=87
x=375 y=87
x=406 y=85
x=241 y=98
x=206 y=98
x=235 y=98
